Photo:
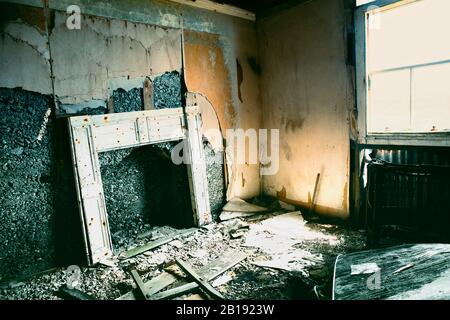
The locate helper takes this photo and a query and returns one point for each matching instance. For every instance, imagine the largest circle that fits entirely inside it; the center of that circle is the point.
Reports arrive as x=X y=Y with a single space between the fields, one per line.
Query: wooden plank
x=405 y=272
x=196 y=167
x=316 y=188
x=209 y=272
x=139 y=283
x=148 y=94
x=219 y=7
x=221 y=265
x=209 y=289
x=154 y=244
x=152 y=286
x=111 y=106
x=175 y=292
x=92 y=207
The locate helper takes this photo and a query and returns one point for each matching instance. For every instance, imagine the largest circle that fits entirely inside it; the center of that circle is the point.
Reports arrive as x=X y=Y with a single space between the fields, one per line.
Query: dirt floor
x=278 y=265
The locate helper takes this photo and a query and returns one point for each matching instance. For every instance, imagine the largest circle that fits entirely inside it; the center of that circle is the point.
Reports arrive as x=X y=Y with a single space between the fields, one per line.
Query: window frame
x=364 y=138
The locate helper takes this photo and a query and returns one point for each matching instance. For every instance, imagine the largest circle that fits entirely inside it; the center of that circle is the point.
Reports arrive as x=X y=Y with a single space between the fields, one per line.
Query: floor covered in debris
x=278 y=255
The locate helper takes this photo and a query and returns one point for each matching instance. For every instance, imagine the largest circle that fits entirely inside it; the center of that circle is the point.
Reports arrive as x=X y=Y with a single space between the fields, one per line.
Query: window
x=407 y=67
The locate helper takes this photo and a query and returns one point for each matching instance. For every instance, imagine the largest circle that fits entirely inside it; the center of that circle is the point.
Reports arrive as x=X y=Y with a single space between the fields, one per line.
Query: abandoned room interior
x=224 y=150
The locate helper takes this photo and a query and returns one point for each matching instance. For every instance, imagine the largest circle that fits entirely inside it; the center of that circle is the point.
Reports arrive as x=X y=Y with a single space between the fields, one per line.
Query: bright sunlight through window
x=408 y=67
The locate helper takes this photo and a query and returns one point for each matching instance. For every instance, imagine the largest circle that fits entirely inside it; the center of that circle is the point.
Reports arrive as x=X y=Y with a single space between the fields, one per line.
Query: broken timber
x=139 y=283
x=209 y=272
x=187 y=268
x=176 y=292
x=154 y=244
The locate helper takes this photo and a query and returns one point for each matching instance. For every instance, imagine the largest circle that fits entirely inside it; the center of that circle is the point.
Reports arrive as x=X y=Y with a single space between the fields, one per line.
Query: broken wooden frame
x=91 y=135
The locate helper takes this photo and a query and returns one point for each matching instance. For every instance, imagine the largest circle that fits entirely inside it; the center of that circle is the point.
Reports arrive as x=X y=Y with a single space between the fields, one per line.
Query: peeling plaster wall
x=103 y=49
x=306 y=93
x=120 y=43
x=211 y=69
x=231 y=38
x=24 y=55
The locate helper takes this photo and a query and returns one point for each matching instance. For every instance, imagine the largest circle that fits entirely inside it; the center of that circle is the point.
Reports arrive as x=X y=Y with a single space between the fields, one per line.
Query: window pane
x=431 y=98
x=408 y=64
x=389 y=101
x=409 y=34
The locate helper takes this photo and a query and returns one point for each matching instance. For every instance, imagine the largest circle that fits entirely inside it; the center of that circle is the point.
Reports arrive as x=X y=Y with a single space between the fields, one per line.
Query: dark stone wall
x=27 y=221
x=167 y=90
x=128 y=101
x=216 y=180
x=142 y=188
x=39 y=221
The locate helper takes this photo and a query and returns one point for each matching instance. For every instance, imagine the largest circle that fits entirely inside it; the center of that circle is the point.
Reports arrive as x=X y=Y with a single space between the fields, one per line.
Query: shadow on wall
x=69 y=239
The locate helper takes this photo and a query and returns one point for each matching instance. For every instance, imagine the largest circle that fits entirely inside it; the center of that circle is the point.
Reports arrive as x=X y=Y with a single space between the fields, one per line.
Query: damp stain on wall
x=210 y=77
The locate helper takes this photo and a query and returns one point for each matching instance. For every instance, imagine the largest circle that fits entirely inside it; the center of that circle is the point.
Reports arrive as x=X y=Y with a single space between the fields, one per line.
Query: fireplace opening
x=143 y=189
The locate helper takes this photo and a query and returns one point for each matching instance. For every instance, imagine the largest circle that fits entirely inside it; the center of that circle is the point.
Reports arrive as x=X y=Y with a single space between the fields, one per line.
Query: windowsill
x=438 y=139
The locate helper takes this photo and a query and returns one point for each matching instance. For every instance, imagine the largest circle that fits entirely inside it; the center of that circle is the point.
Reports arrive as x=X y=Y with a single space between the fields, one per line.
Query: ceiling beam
x=218 y=7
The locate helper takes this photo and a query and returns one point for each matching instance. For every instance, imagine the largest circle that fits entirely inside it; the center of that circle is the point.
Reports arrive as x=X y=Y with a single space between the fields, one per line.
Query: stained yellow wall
x=211 y=69
x=306 y=93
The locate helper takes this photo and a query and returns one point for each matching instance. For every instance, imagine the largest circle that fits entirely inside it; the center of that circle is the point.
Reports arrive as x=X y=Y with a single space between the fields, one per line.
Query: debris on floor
x=238 y=208
x=278 y=237
x=274 y=254
x=154 y=244
x=67 y=293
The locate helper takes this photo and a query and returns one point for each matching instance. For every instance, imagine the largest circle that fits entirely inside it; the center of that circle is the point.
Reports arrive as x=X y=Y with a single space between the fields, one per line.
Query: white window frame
x=364 y=138
x=91 y=135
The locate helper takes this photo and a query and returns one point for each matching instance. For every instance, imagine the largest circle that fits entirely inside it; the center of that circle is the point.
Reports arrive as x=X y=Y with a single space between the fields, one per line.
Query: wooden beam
x=210 y=271
x=154 y=244
x=152 y=286
x=218 y=7
x=148 y=95
x=175 y=292
x=316 y=188
x=209 y=289
x=139 y=283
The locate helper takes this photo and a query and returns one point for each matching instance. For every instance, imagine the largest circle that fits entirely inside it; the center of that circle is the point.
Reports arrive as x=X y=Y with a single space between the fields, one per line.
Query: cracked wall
x=86 y=60
x=118 y=46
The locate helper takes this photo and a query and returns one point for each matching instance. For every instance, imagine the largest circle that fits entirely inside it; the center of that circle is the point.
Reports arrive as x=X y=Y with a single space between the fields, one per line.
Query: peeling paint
x=116 y=49
x=210 y=79
x=29 y=35
x=86 y=107
x=24 y=58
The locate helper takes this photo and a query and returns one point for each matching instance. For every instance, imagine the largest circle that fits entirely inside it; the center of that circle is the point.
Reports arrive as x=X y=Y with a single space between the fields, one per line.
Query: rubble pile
x=202 y=248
